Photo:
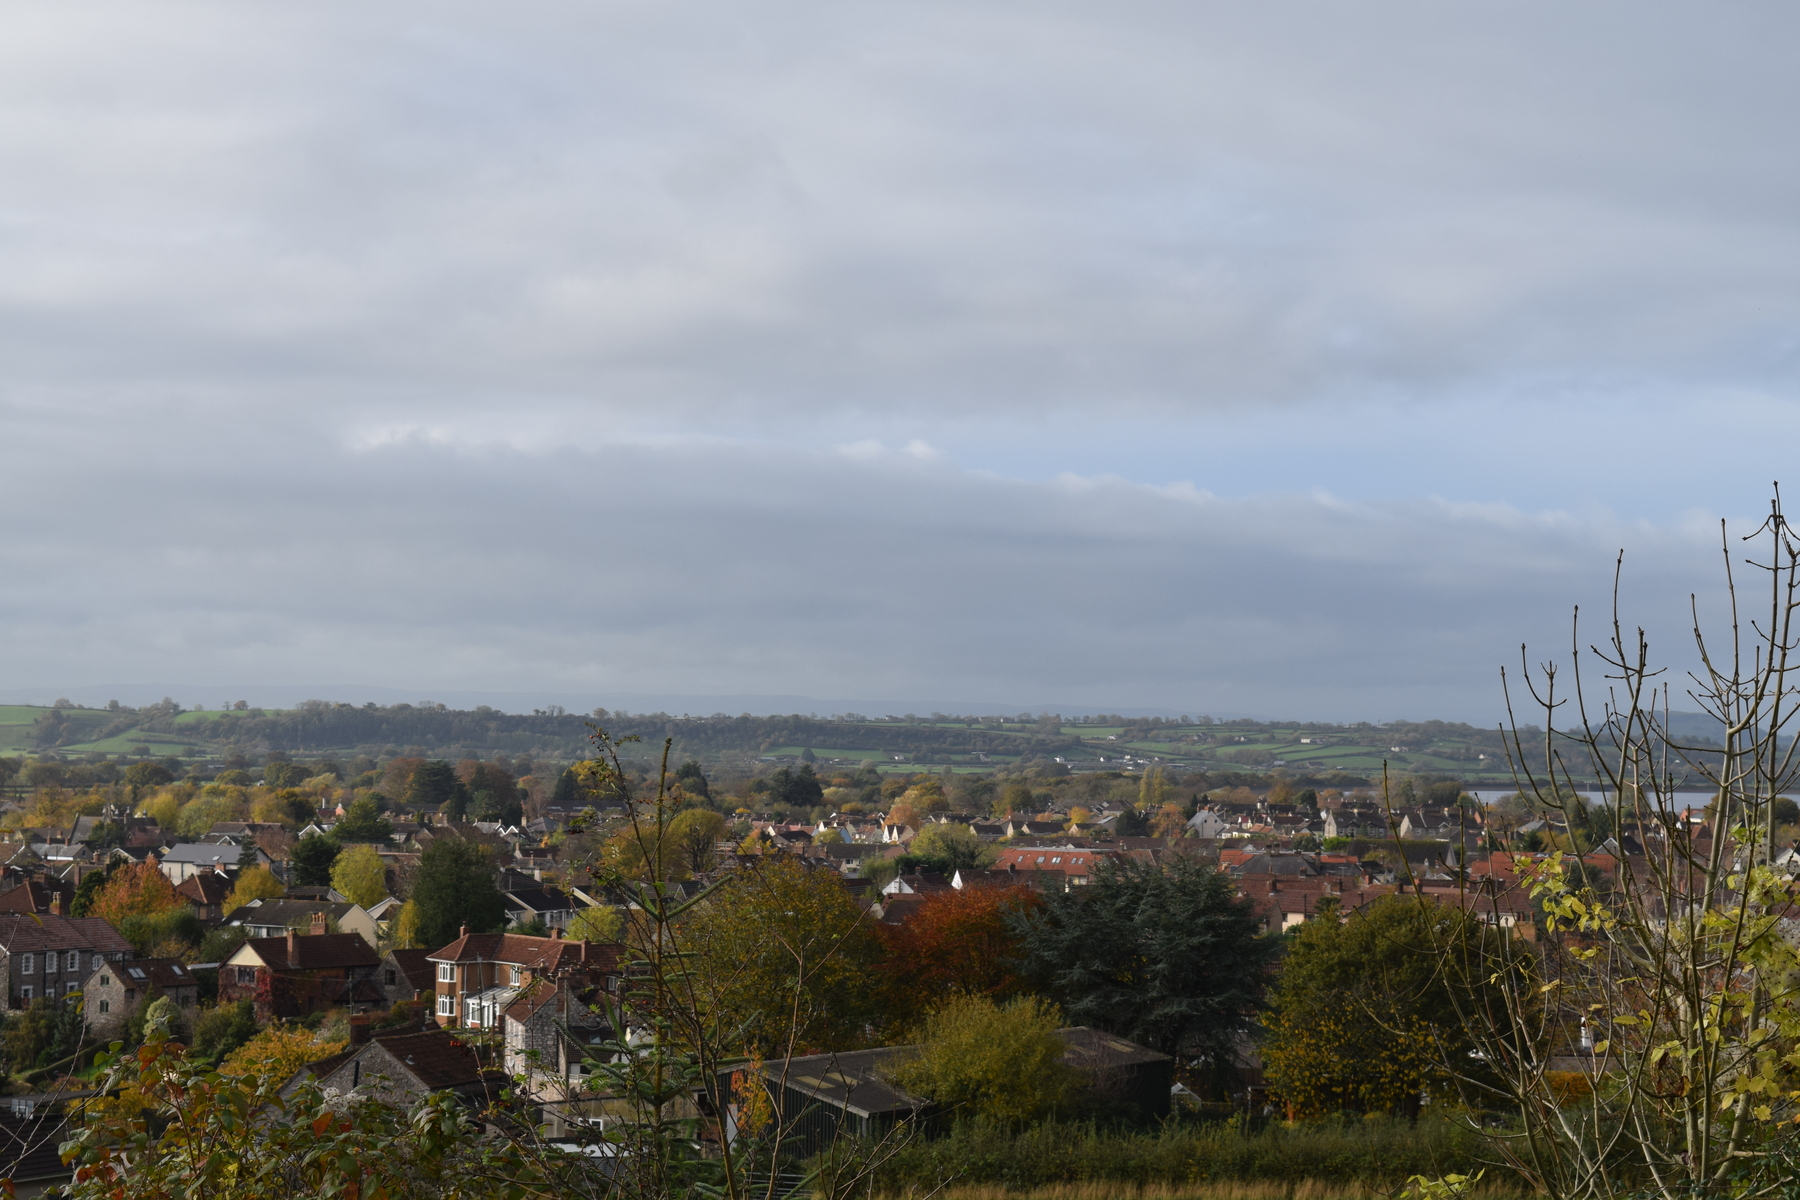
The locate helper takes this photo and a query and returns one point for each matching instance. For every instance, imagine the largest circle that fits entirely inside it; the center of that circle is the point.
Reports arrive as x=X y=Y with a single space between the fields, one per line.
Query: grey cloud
x=742 y=569
x=922 y=207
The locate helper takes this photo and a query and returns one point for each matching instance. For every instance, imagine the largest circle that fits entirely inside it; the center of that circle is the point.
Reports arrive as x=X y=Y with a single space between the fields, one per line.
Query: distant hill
x=1336 y=753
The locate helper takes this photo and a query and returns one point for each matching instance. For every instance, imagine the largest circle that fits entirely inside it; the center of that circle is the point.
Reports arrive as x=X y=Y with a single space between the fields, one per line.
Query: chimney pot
x=56 y=904
x=293 y=948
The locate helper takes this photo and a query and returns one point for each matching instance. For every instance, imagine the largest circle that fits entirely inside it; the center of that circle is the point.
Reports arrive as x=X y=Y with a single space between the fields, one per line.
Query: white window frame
x=446 y=1005
x=25 y=993
x=446 y=972
x=27 y=964
x=518 y=976
x=74 y=963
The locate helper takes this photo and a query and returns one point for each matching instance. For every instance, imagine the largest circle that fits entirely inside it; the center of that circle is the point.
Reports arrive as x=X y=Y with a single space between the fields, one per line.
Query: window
x=71 y=987
x=27 y=964
x=388 y=975
x=446 y=1005
x=1040 y=858
x=74 y=960
x=50 y=961
x=517 y=976
x=446 y=972
x=106 y=981
x=106 y=1006
x=25 y=994
x=1057 y=859
x=246 y=975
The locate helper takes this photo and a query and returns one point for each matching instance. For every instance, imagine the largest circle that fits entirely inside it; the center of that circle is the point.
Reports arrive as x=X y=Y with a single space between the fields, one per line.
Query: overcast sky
x=1278 y=358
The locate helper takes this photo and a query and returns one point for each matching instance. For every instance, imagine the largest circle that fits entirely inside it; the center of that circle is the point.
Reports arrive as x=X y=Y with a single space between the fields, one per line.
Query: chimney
x=359 y=1029
x=293 y=949
x=56 y=904
x=318 y=922
x=464 y=932
x=556 y=933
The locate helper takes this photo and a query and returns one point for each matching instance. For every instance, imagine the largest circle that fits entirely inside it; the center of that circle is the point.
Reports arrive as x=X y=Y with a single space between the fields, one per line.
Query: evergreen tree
x=432 y=785
x=455 y=887
x=312 y=857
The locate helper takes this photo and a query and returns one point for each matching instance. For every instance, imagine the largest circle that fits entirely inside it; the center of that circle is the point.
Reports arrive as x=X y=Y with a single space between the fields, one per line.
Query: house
x=44 y=954
x=404 y=1066
x=919 y=884
x=1207 y=823
x=115 y=990
x=406 y=975
x=1074 y=864
x=184 y=860
x=206 y=894
x=548 y=1033
x=480 y=974
x=271 y=918
x=1036 y=829
x=547 y=904
x=293 y=975
x=38 y=896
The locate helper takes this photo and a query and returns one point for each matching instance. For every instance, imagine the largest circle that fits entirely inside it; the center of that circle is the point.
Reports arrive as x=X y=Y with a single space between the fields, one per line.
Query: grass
x=1231 y=1189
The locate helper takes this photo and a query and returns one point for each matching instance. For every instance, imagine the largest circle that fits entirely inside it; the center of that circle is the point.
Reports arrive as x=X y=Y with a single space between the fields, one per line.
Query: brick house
x=480 y=974
x=43 y=954
x=292 y=976
x=115 y=990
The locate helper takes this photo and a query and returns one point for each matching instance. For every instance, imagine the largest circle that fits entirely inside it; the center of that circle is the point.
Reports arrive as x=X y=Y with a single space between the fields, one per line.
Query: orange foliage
x=140 y=888
x=954 y=942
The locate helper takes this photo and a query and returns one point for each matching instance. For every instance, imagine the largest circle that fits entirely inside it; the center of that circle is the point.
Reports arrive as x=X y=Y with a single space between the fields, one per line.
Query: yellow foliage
x=600 y=924
x=163 y=806
x=1001 y=1061
x=403 y=931
x=360 y=875
x=279 y=1050
x=257 y=883
x=1569 y=1087
x=926 y=796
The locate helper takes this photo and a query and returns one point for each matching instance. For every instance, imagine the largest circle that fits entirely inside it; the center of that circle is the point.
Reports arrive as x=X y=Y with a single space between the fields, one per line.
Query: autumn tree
x=597 y=923
x=785 y=955
x=693 y=838
x=1363 y=1011
x=138 y=889
x=946 y=847
x=954 y=942
x=1002 y=1061
x=254 y=883
x=360 y=875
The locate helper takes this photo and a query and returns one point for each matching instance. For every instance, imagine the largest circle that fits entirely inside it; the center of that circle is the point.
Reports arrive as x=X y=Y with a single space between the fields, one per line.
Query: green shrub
x=1381 y=1151
x=223 y=1028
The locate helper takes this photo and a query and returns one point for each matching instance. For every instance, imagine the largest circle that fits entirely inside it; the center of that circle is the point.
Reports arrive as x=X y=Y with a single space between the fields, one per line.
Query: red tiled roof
x=207 y=889
x=315 y=952
x=538 y=954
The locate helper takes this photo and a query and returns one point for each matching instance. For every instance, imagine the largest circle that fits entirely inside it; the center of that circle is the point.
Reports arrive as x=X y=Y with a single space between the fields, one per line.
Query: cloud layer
x=1208 y=356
